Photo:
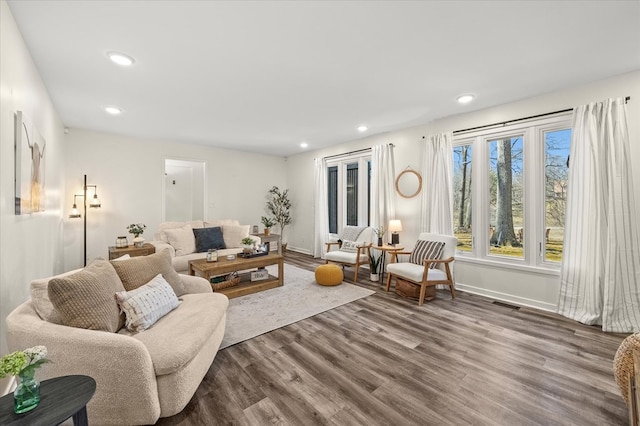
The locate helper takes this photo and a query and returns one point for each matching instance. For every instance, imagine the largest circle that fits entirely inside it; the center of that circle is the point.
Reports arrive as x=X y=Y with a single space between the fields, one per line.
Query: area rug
x=300 y=297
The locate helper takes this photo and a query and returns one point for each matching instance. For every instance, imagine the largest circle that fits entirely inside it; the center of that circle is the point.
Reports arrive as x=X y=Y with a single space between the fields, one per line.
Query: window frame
x=533 y=133
x=363 y=160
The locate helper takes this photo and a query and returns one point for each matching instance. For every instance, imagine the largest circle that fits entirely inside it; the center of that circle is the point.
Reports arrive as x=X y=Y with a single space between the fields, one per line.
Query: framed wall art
x=29 y=166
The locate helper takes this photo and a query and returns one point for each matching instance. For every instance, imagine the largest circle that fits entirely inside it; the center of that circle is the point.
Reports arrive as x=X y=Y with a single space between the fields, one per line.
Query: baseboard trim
x=521 y=301
x=299 y=250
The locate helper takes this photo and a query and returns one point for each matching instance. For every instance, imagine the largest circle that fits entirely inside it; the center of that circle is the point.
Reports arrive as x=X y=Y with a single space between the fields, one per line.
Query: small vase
x=374 y=277
x=138 y=242
x=379 y=241
x=27 y=395
x=267 y=232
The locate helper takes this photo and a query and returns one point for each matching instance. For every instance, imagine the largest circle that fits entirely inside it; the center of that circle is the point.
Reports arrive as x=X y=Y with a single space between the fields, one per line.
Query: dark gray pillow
x=208 y=238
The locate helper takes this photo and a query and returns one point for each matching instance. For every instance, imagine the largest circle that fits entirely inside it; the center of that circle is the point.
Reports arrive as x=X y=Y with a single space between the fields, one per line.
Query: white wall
x=129 y=173
x=30 y=245
x=526 y=288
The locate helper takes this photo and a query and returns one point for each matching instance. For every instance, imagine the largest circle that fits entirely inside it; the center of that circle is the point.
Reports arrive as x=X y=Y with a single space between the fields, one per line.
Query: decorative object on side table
x=121 y=242
x=279 y=206
x=268 y=223
x=395 y=226
x=137 y=229
x=23 y=364
x=380 y=231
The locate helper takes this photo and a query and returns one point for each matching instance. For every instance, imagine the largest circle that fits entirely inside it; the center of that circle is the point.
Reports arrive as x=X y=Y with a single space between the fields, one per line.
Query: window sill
x=541 y=270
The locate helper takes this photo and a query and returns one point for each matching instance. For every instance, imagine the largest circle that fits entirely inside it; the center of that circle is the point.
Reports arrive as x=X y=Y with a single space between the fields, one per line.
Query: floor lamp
x=75 y=213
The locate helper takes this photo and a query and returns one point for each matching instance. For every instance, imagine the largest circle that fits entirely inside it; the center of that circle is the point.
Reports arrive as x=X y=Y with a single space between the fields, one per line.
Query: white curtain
x=601 y=262
x=321 y=208
x=383 y=196
x=437 y=195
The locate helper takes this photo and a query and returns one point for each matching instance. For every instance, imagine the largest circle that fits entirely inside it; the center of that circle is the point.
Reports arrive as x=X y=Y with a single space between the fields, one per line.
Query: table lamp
x=395 y=226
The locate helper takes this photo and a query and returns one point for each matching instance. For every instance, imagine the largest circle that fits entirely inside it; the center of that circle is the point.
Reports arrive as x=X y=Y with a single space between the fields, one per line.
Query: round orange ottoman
x=329 y=274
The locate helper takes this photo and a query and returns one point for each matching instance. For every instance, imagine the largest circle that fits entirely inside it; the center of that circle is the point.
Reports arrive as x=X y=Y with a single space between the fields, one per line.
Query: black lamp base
x=395 y=238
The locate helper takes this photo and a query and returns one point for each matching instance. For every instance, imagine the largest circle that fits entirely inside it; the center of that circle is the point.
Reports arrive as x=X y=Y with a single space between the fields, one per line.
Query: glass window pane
x=506 y=186
x=332 y=198
x=557 y=144
x=352 y=194
x=462 y=196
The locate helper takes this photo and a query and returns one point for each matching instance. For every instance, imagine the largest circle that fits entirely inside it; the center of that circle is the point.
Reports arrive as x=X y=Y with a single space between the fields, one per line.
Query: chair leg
x=355 y=275
x=423 y=291
x=453 y=291
x=388 y=281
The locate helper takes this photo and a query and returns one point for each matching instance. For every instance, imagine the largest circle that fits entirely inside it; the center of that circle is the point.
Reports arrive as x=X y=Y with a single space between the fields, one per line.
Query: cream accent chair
x=421 y=274
x=355 y=259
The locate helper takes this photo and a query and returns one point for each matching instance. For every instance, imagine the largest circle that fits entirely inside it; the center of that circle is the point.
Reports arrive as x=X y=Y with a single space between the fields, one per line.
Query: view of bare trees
x=507 y=232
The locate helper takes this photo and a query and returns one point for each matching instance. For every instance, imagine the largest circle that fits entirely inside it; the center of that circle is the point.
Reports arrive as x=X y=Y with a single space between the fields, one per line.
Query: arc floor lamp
x=75 y=213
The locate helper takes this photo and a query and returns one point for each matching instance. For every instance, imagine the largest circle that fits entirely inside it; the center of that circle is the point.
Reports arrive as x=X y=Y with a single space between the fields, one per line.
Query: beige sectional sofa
x=179 y=239
x=141 y=376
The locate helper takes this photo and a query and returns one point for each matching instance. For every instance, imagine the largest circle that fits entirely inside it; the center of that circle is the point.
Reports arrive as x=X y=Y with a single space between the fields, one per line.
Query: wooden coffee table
x=223 y=266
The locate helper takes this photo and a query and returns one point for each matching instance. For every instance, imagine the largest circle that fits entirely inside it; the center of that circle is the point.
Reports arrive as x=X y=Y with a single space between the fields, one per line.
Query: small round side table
x=60 y=398
x=384 y=249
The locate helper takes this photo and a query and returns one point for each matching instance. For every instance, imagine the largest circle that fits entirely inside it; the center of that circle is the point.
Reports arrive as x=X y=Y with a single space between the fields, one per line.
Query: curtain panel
x=436 y=215
x=600 y=271
x=383 y=196
x=321 y=209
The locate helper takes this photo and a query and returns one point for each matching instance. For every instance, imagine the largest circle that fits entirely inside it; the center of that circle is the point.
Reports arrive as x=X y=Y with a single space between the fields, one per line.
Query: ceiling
x=264 y=76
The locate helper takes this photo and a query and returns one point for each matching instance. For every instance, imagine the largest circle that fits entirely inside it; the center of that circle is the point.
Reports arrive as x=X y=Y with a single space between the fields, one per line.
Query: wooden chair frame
x=358 y=254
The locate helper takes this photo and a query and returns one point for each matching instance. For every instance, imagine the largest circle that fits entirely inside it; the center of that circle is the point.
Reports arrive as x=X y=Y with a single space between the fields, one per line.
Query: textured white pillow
x=182 y=240
x=147 y=304
x=349 y=246
x=233 y=235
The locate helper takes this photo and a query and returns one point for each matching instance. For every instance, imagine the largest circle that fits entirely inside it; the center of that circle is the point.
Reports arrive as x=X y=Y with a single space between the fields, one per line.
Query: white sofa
x=181 y=242
x=140 y=376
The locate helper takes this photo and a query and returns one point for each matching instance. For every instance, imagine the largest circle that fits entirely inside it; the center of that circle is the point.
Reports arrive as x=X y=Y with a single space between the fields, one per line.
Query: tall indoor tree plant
x=279 y=206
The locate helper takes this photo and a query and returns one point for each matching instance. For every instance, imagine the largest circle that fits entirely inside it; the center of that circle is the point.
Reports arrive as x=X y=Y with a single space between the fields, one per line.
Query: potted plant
x=247 y=245
x=374 y=264
x=137 y=229
x=279 y=206
x=268 y=223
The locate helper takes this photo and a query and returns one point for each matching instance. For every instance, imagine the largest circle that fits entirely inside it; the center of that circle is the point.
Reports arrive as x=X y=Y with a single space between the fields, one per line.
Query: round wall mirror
x=409 y=183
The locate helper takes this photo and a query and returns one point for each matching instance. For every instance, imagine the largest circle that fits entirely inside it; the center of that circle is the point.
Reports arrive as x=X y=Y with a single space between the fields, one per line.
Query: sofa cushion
x=160 y=235
x=138 y=271
x=182 y=239
x=426 y=250
x=86 y=299
x=147 y=304
x=187 y=328
x=233 y=234
x=220 y=222
x=208 y=238
x=40 y=298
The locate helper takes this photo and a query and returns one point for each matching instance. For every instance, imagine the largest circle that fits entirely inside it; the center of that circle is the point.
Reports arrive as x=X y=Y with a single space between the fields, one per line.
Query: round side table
x=60 y=398
x=384 y=249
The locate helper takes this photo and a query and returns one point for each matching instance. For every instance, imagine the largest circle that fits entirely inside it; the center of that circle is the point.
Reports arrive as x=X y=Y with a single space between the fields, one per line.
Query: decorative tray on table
x=250 y=255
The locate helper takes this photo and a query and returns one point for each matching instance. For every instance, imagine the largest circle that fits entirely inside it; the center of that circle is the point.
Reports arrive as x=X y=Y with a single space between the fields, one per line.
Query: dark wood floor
x=383 y=360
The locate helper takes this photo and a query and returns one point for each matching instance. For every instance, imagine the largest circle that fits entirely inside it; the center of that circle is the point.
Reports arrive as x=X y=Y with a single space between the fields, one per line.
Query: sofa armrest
x=161 y=245
x=115 y=361
x=194 y=285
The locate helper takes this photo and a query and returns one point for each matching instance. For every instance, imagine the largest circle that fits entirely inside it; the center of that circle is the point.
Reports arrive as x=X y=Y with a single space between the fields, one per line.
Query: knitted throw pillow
x=86 y=298
x=138 y=271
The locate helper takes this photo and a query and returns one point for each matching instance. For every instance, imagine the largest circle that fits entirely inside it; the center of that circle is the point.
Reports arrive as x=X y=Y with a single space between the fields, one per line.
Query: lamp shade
x=395 y=225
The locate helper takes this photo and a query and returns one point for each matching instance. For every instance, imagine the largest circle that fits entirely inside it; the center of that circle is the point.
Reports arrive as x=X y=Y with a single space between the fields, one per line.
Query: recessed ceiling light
x=121 y=59
x=463 y=99
x=304 y=145
x=363 y=128
x=113 y=110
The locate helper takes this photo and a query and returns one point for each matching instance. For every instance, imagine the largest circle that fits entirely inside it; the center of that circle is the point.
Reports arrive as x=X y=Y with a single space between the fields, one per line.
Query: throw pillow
x=426 y=250
x=349 y=246
x=182 y=240
x=147 y=304
x=233 y=235
x=138 y=271
x=209 y=238
x=86 y=298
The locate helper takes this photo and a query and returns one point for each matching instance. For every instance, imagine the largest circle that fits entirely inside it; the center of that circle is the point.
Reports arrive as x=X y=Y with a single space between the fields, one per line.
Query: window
x=348 y=189
x=515 y=192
